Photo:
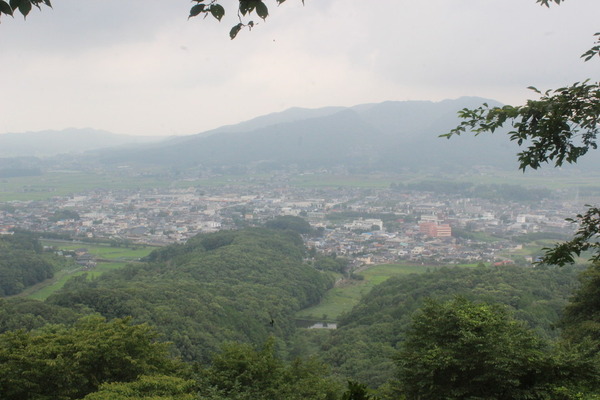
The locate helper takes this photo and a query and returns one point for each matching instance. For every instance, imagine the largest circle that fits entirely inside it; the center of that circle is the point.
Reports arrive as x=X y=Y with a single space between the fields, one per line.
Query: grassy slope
x=346 y=295
x=115 y=257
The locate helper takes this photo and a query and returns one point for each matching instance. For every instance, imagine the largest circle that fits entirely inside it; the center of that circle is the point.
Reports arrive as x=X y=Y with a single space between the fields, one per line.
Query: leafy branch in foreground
x=588 y=55
x=561 y=126
x=23 y=6
x=585 y=239
x=245 y=8
x=548 y=2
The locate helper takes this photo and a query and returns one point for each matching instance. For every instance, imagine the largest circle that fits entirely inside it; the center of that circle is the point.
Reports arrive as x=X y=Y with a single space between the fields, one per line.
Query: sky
x=140 y=67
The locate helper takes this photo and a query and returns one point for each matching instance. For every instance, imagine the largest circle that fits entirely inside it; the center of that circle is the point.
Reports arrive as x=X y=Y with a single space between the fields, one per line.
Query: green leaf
x=5 y=8
x=197 y=9
x=245 y=6
x=217 y=11
x=235 y=30
x=25 y=7
x=262 y=10
x=14 y=4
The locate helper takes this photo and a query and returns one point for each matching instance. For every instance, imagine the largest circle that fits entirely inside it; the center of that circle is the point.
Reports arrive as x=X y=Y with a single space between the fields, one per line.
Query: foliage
x=155 y=387
x=235 y=285
x=23 y=6
x=58 y=362
x=245 y=8
x=296 y=224
x=595 y=50
x=366 y=339
x=561 y=126
x=548 y=2
x=464 y=350
x=330 y=263
x=65 y=214
x=357 y=391
x=28 y=314
x=586 y=238
x=241 y=371
x=581 y=319
x=21 y=263
x=201 y=7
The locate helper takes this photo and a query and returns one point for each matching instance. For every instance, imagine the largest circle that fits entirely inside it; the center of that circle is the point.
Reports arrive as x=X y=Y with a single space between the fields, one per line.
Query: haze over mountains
x=67 y=141
x=385 y=136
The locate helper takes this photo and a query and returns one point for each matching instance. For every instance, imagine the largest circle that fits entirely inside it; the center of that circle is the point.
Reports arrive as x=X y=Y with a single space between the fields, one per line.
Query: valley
x=300 y=261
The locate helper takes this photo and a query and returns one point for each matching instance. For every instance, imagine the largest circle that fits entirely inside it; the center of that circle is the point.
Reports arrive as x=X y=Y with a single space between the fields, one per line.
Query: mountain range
x=392 y=135
x=383 y=136
x=67 y=141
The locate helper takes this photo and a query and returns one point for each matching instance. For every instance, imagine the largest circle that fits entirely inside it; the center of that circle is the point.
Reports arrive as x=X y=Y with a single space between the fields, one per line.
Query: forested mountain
x=365 y=344
x=388 y=136
x=21 y=263
x=232 y=285
x=226 y=302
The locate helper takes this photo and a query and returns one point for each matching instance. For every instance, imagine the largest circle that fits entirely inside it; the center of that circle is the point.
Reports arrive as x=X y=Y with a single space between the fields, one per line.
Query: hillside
x=383 y=136
x=391 y=136
x=231 y=285
x=365 y=344
x=226 y=302
x=67 y=141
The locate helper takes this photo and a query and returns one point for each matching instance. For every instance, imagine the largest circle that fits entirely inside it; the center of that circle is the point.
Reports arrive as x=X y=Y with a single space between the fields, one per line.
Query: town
x=365 y=225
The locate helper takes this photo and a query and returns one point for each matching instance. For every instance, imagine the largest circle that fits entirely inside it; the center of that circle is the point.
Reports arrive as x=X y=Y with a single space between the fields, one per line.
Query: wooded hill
x=22 y=263
x=232 y=285
x=226 y=302
x=365 y=344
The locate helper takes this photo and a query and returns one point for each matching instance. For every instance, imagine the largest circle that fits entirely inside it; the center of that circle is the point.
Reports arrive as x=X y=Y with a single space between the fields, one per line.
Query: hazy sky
x=140 y=67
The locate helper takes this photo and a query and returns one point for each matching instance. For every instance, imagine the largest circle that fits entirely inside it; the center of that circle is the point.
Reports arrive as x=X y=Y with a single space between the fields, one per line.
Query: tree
x=463 y=350
x=284 y=222
x=243 y=372
x=561 y=126
x=63 y=363
x=202 y=7
x=245 y=8
x=357 y=391
x=23 y=6
x=581 y=319
x=156 y=387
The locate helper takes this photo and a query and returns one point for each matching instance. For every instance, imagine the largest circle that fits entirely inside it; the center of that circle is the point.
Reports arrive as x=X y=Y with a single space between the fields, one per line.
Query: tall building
x=433 y=229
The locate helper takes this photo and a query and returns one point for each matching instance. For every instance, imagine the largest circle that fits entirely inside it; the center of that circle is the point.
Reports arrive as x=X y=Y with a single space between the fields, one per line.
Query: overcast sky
x=140 y=67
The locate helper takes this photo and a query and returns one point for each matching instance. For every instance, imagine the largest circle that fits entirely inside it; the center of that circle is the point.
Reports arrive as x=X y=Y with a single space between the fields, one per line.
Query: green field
x=353 y=181
x=104 y=251
x=550 y=179
x=346 y=294
x=112 y=258
x=63 y=183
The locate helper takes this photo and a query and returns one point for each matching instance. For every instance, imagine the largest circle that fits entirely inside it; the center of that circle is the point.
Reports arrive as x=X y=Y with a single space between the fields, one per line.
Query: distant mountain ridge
x=72 y=140
x=381 y=136
x=388 y=136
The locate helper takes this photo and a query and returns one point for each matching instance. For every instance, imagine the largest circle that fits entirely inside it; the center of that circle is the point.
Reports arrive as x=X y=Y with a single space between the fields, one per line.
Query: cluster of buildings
x=365 y=225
